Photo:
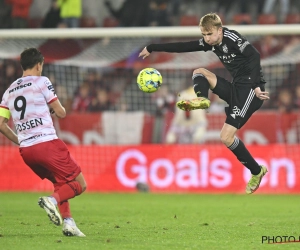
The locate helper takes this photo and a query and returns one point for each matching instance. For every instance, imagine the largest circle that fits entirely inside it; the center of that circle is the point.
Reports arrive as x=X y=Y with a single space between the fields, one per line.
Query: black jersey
x=235 y=52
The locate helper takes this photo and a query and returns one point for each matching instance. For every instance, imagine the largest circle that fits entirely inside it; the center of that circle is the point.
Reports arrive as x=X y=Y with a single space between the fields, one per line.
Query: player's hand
x=144 y=53
x=262 y=95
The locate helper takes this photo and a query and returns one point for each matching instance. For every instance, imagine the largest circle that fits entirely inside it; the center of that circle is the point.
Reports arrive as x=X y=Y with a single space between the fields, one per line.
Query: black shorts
x=241 y=99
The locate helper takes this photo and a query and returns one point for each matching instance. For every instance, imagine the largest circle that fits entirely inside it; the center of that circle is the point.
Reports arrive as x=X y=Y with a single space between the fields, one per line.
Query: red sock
x=67 y=191
x=64 y=208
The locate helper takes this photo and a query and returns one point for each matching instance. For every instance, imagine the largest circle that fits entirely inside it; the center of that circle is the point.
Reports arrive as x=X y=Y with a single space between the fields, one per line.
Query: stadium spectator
x=186 y=126
x=132 y=100
x=132 y=13
x=100 y=102
x=158 y=13
x=20 y=13
x=223 y=7
x=96 y=81
x=40 y=148
x=283 y=10
x=245 y=94
x=291 y=44
x=269 y=45
x=52 y=18
x=62 y=93
x=2 y=76
x=165 y=101
x=5 y=15
x=10 y=73
x=70 y=12
x=297 y=97
x=245 y=14
x=285 y=102
x=83 y=99
x=175 y=11
x=244 y=6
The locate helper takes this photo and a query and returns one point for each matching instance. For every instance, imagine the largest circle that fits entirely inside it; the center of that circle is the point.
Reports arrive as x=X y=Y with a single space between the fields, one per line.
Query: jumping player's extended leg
x=203 y=80
x=243 y=155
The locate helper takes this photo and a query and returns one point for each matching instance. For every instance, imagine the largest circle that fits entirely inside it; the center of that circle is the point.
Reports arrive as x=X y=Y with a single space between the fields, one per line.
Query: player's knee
x=226 y=139
x=81 y=181
x=199 y=71
x=83 y=186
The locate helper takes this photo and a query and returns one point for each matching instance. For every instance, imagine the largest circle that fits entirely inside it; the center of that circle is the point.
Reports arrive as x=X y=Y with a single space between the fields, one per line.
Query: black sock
x=243 y=155
x=201 y=85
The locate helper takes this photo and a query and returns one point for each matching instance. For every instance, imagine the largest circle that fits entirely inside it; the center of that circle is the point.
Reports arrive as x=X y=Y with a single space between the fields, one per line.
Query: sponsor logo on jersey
x=48 y=83
x=201 y=42
x=225 y=49
x=20 y=87
x=29 y=124
x=19 y=81
x=51 y=88
x=228 y=58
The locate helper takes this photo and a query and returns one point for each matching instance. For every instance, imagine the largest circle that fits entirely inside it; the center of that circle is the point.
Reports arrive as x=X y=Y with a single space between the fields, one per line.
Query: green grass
x=152 y=221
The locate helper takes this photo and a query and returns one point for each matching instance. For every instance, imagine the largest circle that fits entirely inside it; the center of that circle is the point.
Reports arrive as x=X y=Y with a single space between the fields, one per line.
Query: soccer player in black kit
x=244 y=95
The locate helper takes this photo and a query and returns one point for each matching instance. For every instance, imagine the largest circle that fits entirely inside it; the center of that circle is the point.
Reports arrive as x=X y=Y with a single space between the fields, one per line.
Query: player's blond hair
x=209 y=21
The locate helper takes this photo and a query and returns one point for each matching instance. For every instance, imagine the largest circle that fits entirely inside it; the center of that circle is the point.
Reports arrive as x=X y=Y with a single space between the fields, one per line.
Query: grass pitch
x=153 y=221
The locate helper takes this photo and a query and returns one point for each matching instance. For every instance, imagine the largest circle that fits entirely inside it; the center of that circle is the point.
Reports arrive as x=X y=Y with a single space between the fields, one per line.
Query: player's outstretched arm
x=7 y=131
x=262 y=95
x=144 y=53
x=58 y=109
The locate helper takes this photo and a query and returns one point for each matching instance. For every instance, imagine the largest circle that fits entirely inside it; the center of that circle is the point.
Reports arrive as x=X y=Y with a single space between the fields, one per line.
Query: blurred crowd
x=97 y=93
x=137 y=13
x=116 y=90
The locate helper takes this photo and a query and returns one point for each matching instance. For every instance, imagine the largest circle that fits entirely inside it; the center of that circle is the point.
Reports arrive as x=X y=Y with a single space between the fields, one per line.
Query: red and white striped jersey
x=27 y=99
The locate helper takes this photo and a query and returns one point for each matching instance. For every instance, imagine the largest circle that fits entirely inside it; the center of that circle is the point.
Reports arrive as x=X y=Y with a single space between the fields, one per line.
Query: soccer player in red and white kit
x=28 y=100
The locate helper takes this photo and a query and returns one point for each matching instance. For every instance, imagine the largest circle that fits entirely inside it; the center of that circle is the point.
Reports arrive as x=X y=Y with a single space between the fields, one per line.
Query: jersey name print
x=27 y=100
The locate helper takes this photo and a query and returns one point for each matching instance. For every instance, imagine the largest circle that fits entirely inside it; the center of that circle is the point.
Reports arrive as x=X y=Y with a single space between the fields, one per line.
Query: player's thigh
x=38 y=169
x=223 y=89
x=61 y=162
x=211 y=77
x=56 y=158
x=255 y=104
x=243 y=105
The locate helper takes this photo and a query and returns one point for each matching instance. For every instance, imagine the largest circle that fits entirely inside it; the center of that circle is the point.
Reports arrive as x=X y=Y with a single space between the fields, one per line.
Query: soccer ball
x=149 y=80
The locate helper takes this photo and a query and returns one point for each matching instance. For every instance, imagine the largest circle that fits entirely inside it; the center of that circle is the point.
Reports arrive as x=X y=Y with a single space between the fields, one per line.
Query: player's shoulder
x=13 y=86
x=232 y=35
x=5 y=94
x=43 y=80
